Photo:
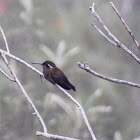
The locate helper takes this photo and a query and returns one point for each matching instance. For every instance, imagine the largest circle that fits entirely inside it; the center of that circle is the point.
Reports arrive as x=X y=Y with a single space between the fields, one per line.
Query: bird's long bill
x=37 y=63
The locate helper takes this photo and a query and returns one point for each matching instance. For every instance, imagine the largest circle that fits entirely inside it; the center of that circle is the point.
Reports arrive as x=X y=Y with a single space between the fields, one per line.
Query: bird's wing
x=59 y=77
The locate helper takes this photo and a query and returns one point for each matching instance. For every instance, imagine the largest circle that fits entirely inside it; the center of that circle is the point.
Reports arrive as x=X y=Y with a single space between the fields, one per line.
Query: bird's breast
x=47 y=75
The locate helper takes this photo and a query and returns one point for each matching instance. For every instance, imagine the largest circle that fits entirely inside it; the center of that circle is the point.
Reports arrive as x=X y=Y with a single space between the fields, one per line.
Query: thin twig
x=127 y=28
x=14 y=57
x=92 y=8
x=54 y=137
x=7 y=76
x=21 y=61
x=6 y=62
x=4 y=38
x=87 y=68
x=81 y=110
x=108 y=39
x=119 y=44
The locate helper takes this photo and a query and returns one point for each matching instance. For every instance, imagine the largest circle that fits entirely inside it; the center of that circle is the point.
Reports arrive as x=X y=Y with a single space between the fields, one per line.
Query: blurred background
x=61 y=31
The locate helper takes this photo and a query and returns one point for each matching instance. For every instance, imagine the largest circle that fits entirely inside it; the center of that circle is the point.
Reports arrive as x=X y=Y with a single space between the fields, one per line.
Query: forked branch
x=114 y=41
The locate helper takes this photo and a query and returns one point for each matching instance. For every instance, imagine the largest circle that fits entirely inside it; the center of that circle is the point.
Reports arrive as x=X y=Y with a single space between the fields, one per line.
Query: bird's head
x=47 y=64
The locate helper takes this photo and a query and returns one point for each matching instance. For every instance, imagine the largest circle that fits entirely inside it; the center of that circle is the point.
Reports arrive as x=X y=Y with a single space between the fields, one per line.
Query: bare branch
x=127 y=28
x=6 y=62
x=7 y=76
x=108 y=39
x=5 y=41
x=21 y=61
x=81 y=110
x=119 y=44
x=54 y=137
x=87 y=68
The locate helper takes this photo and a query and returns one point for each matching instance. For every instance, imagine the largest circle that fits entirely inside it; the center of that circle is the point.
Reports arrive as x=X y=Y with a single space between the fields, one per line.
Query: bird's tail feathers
x=72 y=87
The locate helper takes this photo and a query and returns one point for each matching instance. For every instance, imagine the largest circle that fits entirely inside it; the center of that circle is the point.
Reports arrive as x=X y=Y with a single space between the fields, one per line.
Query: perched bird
x=55 y=75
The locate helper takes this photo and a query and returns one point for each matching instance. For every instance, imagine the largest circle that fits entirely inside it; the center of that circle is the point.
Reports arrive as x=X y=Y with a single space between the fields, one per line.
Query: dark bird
x=55 y=75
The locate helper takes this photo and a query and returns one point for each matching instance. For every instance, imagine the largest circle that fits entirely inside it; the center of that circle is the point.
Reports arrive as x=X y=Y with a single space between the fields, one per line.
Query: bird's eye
x=47 y=66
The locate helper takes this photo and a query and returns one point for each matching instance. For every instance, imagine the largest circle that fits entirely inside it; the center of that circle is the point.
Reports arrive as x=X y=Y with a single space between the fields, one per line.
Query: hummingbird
x=55 y=75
